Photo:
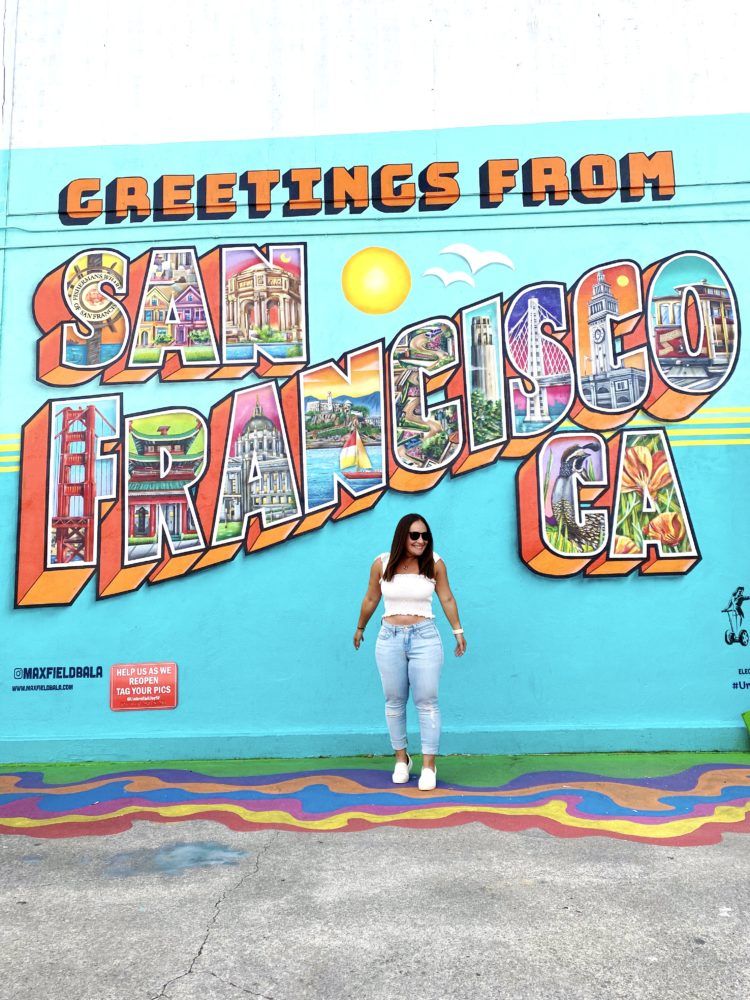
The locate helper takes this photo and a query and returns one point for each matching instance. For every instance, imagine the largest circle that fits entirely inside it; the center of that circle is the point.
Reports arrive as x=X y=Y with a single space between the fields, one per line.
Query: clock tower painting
x=609 y=386
x=601 y=305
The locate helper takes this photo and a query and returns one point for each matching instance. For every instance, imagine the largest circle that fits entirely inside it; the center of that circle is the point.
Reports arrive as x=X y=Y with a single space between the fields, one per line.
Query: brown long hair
x=398 y=548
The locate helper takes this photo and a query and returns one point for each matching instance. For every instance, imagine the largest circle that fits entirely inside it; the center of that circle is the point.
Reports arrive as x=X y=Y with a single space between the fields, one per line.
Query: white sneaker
x=402 y=771
x=427 y=779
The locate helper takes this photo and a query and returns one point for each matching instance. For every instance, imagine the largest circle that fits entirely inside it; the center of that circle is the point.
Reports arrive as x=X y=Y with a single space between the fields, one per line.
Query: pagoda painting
x=165 y=457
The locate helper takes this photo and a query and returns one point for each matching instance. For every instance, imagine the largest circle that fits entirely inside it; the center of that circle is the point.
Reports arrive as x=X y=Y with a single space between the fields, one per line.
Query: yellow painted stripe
x=683 y=427
x=10 y=458
x=678 y=444
x=691 y=421
x=11 y=468
x=674 y=435
x=706 y=431
x=5 y=437
x=9 y=447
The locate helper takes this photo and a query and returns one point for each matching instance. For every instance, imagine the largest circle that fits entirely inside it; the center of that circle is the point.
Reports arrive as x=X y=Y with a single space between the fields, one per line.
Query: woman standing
x=409 y=651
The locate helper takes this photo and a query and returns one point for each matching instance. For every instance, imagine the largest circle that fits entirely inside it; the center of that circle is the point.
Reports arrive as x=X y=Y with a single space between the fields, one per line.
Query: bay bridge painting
x=78 y=477
x=537 y=354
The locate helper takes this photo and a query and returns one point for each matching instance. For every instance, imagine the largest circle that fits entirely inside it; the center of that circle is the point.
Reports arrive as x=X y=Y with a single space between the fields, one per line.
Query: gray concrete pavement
x=193 y=911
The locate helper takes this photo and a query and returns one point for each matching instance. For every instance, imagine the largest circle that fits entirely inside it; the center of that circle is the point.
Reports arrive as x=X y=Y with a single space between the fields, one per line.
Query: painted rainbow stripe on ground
x=696 y=805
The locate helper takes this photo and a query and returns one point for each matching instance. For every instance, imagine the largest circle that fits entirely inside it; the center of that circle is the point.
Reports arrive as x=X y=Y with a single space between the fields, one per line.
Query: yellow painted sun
x=623 y=280
x=376 y=280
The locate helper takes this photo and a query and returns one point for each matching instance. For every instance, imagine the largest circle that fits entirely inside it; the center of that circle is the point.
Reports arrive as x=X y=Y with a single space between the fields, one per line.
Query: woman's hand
x=370 y=602
x=448 y=601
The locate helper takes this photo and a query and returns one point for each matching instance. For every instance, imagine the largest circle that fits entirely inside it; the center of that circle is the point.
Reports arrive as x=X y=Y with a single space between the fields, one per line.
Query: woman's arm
x=448 y=602
x=370 y=602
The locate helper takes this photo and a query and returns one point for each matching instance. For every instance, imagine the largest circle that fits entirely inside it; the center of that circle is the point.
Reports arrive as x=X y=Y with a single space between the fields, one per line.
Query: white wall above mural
x=143 y=73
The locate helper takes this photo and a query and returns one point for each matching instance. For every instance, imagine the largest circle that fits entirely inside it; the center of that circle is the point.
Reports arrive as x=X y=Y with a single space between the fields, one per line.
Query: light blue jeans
x=411 y=656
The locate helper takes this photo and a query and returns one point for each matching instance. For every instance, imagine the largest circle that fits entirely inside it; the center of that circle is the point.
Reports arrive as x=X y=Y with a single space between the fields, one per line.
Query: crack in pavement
x=217 y=909
x=244 y=989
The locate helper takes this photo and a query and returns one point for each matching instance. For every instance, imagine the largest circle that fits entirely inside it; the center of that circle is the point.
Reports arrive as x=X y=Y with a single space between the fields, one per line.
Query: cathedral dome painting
x=257 y=476
x=258 y=422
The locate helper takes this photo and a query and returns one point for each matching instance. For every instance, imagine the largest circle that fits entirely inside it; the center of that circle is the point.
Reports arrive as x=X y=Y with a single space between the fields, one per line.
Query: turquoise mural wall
x=229 y=368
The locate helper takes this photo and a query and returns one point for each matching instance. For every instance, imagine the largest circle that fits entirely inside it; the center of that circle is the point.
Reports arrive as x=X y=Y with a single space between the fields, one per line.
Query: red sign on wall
x=142 y=685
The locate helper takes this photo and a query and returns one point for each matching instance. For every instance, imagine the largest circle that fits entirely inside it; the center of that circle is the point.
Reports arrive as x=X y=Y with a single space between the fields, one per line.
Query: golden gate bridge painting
x=79 y=476
x=539 y=358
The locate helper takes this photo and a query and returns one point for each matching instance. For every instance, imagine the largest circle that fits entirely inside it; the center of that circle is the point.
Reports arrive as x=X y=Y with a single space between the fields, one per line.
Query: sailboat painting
x=354 y=461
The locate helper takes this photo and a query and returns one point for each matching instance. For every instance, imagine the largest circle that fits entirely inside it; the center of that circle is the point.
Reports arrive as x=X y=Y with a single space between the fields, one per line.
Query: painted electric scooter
x=733 y=611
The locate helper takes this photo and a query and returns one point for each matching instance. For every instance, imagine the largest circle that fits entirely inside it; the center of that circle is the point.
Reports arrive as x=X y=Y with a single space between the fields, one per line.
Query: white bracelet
x=458 y=631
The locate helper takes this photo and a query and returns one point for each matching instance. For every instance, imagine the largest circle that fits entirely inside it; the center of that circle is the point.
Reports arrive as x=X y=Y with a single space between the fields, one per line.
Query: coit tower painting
x=483 y=359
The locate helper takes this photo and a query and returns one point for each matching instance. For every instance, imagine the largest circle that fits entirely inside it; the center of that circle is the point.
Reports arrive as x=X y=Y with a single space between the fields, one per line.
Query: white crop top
x=407 y=593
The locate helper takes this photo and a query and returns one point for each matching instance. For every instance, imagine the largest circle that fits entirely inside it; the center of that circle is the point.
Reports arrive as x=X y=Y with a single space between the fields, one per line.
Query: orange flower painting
x=650 y=505
x=669 y=529
x=625 y=546
x=645 y=471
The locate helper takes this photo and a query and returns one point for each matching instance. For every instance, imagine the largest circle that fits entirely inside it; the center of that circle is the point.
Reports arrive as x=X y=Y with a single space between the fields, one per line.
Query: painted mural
x=481 y=325
x=568 y=461
x=166 y=456
x=222 y=387
x=343 y=428
x=264 y=302
x=337 y=435
x=425 y=439
x=78 y=479
x=173 y=313
x=100 y=333
x=258 y=478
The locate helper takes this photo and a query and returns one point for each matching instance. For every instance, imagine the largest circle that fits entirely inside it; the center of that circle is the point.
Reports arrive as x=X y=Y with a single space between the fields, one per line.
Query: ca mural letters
x=153 y=495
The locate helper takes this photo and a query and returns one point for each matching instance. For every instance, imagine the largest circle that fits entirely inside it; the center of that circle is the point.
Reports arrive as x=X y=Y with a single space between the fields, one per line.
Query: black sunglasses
x=414 y=535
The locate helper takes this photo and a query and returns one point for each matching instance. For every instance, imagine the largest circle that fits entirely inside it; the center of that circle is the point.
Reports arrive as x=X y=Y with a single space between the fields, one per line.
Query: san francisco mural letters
x=153 y=495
